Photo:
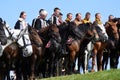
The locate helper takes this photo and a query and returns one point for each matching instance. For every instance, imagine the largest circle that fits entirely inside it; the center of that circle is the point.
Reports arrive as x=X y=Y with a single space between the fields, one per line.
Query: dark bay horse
x=51 y=46
x=3 y=41
x=77 y=47
x=113 y=51
x=9 y=46
x=37 y=55
x=12 y=57
x=100 y=46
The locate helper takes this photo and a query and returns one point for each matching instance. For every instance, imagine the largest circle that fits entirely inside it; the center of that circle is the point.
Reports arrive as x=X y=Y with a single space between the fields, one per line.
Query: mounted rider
x=69 y=18
x=108 y=23
x=100 y=28
x=78 y=19
x=41 y=21
x=23 y=36
x=55 y=18
x=87 y=18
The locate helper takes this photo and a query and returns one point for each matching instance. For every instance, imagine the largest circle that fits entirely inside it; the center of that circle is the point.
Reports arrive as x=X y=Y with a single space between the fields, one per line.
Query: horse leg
x=66 y=64
x=93 y=59
x=105 y=60
x=2 y=70
x=8 y=60
x=86 y=62
x=99 y=60
x=72 y=60
x=32 y=67
x=112 y=59
x=51 y=65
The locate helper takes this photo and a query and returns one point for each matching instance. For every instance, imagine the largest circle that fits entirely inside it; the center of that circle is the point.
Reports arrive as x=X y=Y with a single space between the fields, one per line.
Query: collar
x=67 y=19
x=86 y=20
x=21 y=19
x=77 y=19
x=98 y=21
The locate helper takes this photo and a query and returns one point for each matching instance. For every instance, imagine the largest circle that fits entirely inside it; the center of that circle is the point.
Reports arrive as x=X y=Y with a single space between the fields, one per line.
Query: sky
x=10 y=9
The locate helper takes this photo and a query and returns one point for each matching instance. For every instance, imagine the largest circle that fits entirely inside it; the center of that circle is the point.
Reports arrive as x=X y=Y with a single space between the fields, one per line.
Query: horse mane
x=84 y=27
x=3 y=37
x=34 y=36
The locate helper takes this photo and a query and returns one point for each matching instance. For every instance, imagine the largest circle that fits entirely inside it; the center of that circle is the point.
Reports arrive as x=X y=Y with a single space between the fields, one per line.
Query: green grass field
x=113 y=74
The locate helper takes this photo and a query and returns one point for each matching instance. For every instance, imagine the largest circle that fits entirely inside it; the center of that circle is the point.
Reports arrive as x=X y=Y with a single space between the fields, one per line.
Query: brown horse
x=77 y=47
x=3 y=40
x=37 y=55
x=100 y=46
x=13 y=59
x=113 y=51
x=10 y=52
x=51 y=45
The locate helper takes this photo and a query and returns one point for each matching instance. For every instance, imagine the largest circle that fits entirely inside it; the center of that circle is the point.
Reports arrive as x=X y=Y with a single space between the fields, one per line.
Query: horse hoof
x=92 y=70
x=86 y=71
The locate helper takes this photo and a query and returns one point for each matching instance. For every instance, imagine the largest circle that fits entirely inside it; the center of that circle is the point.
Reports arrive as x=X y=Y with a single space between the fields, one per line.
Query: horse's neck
x=6 y=32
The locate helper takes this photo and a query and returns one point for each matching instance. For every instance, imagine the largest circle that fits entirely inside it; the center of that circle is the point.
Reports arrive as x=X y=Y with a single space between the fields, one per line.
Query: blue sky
x=10 y=9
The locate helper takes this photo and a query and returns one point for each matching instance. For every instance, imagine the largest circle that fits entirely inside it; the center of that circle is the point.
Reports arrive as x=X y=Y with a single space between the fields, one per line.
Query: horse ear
x=1 y=20
x=115 y=20
x=88 y=24
x=29 y=28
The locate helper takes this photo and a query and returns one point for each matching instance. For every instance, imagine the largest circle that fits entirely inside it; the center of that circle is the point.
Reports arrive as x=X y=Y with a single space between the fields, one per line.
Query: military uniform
x=77 y=22
x=86 y=21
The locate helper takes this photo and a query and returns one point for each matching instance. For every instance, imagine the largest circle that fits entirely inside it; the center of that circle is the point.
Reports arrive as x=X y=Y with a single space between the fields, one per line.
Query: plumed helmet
x=43 y=12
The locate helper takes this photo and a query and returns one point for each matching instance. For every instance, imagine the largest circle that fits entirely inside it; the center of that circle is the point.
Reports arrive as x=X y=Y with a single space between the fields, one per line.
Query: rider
x=78 y=19
x=55 y=18
x=100 y=27
x=41 y=21
x=21 y=23
x=22 y=37
x=69 y=18
x=87 y=18
x=110 y=17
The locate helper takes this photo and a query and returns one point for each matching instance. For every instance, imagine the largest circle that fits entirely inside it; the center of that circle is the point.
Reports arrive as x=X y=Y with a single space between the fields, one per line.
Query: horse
x=36 y=57
x=100 y=46
x=5 y=39
x=84 y=34
x=12 y=56
x=113 y=51
x=51 y=45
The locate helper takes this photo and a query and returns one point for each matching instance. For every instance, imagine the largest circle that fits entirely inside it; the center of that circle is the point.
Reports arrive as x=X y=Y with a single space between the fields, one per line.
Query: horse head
x=112 y=29
x=3 y=37
x=34 y=37
x=89 y=31
x=54 y=32
x=86 y=30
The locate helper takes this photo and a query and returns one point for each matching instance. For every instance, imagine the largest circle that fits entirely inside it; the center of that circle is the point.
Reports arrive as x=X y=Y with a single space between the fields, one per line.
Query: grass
x=113 y=74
